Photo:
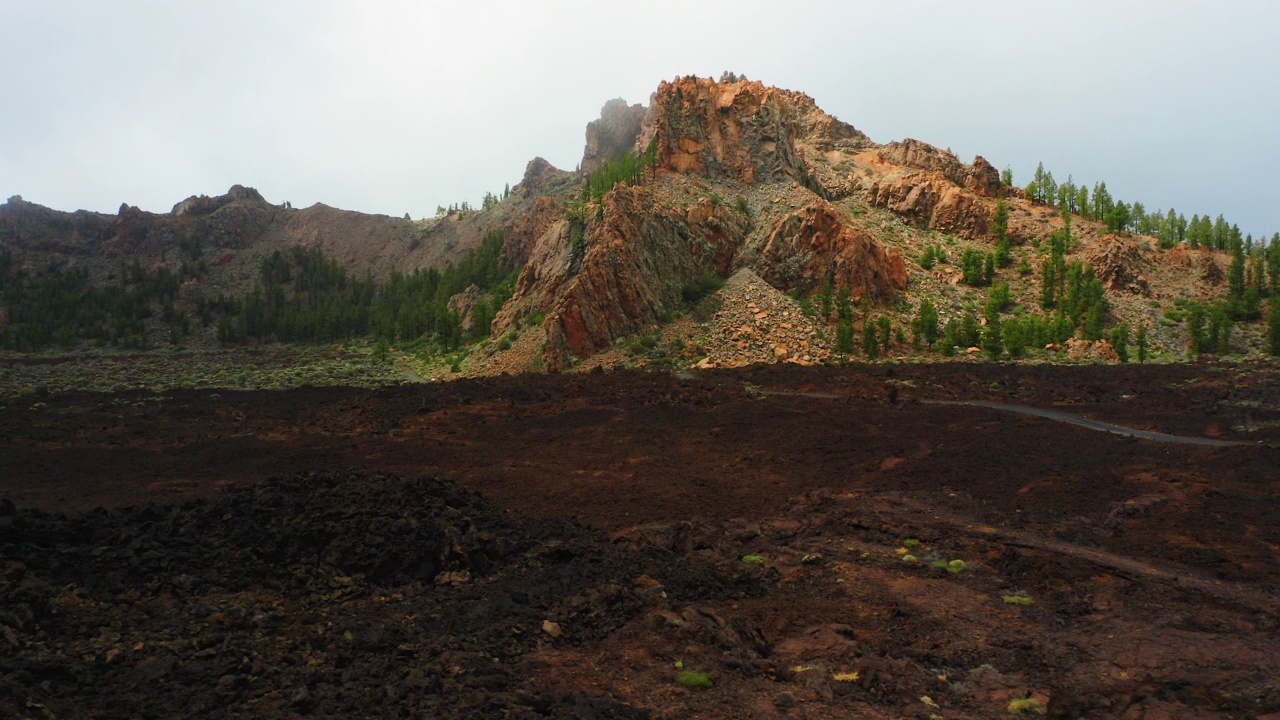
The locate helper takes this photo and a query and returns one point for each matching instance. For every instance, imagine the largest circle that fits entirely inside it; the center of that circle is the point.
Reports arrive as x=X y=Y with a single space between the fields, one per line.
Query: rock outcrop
x=1119 y=265
x=613 y=134
x=523 y=232
x=816 y=243
x=622 y=266
x=626 y=271
x=740 y=130
x=980 y=178
x=203 y=204
x=930 y=201
x=1081 y=350
x=463 y=303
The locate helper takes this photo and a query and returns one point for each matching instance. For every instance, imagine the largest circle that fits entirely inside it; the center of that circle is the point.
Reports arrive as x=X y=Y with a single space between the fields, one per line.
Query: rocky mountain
x=233 y=231
x=733 y=175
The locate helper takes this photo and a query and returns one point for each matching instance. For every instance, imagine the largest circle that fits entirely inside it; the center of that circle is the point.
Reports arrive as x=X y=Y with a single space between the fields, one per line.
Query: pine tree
x=844 y=337
x=869 y=344
x=950 y=337
x=1015 y=338
x=925 y=324
x=1067 y=196
x=970 y=331
x=1196 y=329
x=1193 y=232
x=1119 y=339
x=1273 y=326
x=999 y=227
x=993 y=338
x=1235 y=282
x=1168 y=233
x=1083 y=205
x=1102 y=202
x=825 y=298
x=1048 y=189
x=1221 y=233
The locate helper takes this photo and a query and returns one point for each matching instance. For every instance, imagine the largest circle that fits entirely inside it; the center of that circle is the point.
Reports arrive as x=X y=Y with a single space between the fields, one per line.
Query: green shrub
x=1025 y=706
x=695 y=680
x=504 y=345
x=753 y=559
x=702 y=287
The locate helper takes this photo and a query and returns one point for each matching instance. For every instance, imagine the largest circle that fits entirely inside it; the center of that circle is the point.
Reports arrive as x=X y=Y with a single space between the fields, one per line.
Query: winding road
x=1091 y=424
x=1039 y=412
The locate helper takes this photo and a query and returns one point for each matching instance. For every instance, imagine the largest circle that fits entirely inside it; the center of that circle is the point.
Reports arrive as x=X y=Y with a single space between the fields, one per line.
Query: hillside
x=710 y=180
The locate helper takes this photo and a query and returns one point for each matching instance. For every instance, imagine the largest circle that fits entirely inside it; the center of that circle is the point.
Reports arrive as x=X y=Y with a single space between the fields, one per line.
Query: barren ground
x=606 y=542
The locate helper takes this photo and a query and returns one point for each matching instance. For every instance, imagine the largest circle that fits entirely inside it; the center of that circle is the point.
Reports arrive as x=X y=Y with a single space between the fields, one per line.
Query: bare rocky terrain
x=568 y=546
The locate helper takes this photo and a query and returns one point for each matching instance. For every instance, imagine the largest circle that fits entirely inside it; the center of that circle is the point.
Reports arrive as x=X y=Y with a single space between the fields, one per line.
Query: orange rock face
x=1120 y=265
x=627 y=271
x=980 y=178
x=816 y=242
x=929 y=200
x=740 y=130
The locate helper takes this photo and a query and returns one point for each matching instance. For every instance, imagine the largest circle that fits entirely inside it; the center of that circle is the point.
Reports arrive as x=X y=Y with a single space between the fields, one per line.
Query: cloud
x=393 y=106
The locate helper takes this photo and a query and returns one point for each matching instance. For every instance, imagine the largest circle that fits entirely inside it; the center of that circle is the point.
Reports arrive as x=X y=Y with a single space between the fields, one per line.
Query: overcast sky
x=395 y=106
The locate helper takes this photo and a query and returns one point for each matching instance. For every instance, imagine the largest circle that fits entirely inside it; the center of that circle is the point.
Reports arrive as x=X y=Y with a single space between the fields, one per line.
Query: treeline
x=1253 y=276
x=300 y=296
x=464 y=208
x=1170 y=227
x=628 y=167
x=60 y=306
x=303 y=296
x=1082 y=311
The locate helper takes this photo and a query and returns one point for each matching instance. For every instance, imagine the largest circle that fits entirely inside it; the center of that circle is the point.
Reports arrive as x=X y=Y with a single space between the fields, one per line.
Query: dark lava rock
x=343 y=594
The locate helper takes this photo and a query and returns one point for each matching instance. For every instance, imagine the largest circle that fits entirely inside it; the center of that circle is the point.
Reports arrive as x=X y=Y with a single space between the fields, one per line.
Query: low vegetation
x=273 y=368
x=695 y=680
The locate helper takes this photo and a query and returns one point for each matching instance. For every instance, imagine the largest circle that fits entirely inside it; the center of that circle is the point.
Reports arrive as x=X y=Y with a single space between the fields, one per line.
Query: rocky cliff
x=625 y=265
x=739 y=130
x=613 y=134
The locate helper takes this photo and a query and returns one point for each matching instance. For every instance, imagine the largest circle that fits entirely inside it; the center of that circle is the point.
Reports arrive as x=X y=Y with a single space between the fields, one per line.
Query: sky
x=392 y=106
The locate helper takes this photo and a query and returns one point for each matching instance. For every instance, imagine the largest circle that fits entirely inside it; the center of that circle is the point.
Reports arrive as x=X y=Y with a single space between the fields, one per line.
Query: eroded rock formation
x=613 y=134
x=816 y=243
x=1119 y=265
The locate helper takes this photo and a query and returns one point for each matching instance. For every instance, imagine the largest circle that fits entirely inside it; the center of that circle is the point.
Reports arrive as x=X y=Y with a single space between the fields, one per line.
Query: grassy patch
x=268 y=368
x=695 y=680
x=1025 y=706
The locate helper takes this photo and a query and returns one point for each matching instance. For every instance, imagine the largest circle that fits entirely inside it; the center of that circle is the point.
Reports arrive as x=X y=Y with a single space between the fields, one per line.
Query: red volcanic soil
x=568 y=546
